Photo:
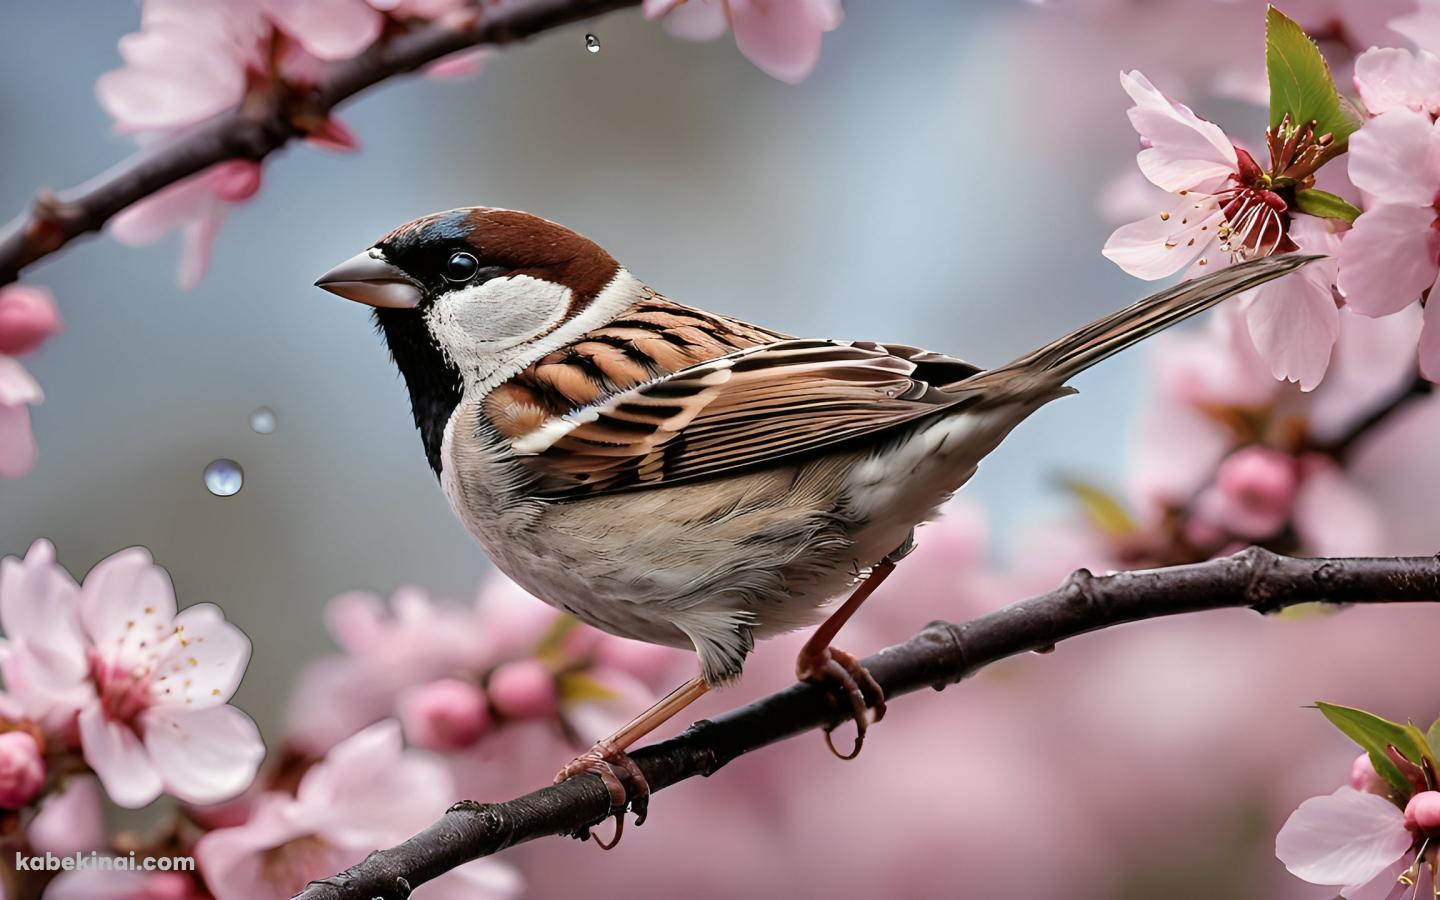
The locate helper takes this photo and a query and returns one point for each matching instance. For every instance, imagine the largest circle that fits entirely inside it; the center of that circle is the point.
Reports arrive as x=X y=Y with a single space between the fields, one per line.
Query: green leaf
x=1301 y=83
x=1376 y=736
x=1325 y=205
x=553 y=640
x=1103 y=510
x=1432 y=737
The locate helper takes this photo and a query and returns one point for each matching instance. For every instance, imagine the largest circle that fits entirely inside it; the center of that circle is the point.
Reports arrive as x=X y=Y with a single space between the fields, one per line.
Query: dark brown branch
x=1346 y=443
x=265 y=123
x=940 y=655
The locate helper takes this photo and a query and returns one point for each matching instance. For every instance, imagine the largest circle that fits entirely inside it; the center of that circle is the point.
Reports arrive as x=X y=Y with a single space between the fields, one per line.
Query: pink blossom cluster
x=454 y=674
x=1223 y=205
x=27 y=318
x=194 y=59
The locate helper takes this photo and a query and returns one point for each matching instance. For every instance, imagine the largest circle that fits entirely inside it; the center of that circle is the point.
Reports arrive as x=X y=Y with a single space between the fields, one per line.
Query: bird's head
x=469 y=297
x=483 y=284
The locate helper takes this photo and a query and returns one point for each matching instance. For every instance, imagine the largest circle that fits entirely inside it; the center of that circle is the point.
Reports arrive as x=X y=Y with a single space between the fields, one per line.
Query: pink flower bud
x=1422 y=813
x=27 y=317
x=1363 y=777
x=447 y=714
x=523 y=689
x=1256 y=488
x=235 y=181
x=22 y=770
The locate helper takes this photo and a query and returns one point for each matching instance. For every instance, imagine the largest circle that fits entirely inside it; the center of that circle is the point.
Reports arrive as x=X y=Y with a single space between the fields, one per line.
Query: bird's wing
x=750 y=408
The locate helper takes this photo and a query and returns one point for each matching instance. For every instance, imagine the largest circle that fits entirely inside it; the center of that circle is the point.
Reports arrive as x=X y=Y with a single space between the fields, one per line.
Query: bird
x=682 y=477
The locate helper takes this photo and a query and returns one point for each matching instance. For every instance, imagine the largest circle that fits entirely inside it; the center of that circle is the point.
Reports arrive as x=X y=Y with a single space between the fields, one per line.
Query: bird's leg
x=819 y=662
x=609 y=754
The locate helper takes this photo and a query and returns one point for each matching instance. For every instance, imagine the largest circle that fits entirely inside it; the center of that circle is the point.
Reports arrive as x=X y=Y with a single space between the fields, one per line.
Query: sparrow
x=679 y=476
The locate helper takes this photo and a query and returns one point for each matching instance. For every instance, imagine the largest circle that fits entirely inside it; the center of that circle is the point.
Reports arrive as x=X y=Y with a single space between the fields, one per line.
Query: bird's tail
x=1060 y=360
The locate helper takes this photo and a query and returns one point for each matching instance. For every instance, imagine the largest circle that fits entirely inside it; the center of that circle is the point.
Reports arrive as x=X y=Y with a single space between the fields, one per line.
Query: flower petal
x=115 y=753
x=1394 y=158
x=205 y=755
x=1184 y=151
x=204 y=662
x=783 y=39
x=124 y=595
x=1294 y=322
x=1388 y=258
x=1389 y=78
x=689 y=21
x=1155 y=247
x=330 y=29
x=1346 y=838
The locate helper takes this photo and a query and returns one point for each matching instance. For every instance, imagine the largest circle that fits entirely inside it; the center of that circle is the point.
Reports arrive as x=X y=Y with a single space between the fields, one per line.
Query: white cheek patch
x=474 y=324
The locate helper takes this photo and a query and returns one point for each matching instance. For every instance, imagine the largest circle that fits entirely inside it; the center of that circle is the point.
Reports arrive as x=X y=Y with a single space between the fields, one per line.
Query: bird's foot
x=615 y=768
x=833 y=666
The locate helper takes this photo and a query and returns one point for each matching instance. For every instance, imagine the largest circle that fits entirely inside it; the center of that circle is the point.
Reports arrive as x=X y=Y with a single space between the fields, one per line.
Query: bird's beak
x=369 y=278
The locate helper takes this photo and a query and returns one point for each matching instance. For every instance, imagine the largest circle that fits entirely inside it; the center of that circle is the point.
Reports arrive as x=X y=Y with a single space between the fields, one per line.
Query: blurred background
x=935 y=182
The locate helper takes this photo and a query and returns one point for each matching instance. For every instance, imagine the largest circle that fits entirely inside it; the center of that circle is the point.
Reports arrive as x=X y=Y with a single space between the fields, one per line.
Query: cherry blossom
x=1349 y=839
x=1226 y=208
x=781 y=37
x=423 y=660
x=1392 y=256
x=145 y=686
x=368 y=792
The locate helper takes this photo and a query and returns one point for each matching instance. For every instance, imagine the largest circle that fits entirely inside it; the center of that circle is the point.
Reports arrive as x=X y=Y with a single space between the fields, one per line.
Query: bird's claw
x=835 y=666
x=615 y=767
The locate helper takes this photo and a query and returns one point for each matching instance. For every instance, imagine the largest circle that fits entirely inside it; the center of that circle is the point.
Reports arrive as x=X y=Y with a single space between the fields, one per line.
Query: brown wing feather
x=753 y=407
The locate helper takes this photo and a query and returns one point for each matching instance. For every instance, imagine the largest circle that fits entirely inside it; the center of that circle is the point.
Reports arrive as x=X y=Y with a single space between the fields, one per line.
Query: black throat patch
x=433 y=381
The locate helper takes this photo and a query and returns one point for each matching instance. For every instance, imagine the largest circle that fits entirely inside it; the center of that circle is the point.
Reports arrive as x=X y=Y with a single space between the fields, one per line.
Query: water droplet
x=262 y=420
x=224 y=477
x=592 y=43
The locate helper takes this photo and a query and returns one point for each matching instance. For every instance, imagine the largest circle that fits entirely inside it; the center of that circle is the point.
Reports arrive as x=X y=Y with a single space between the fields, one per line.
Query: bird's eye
x=461 y=266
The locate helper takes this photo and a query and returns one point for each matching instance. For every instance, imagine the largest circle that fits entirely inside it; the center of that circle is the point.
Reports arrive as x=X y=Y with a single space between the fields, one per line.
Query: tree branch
x=266 y=122
x=940 y=655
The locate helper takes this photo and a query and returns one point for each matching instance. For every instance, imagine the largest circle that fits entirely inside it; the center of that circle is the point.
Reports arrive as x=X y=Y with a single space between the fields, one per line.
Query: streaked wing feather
x=748 y=408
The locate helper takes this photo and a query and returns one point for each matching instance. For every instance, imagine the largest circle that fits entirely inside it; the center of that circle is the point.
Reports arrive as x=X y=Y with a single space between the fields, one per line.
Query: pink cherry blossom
x=368 y=793
x=446 y=714
x=1392 y=256
x=27 y=317
x=1347 y=839
x=146 y=686
x=1222 y=212
x=781 y=37
x=1389 y=78
x=22 y=769
x=190 y=60
x=328 y=29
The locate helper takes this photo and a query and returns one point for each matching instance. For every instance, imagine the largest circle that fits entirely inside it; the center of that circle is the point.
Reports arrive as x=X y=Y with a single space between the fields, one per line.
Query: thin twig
x=266 y=122
x=940 y=655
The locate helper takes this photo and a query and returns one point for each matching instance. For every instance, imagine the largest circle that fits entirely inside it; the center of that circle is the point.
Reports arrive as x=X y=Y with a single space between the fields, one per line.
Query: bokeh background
x=935 y=182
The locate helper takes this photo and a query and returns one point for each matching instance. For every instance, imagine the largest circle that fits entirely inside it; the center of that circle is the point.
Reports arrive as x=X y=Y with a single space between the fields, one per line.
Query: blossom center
x=124 y=688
